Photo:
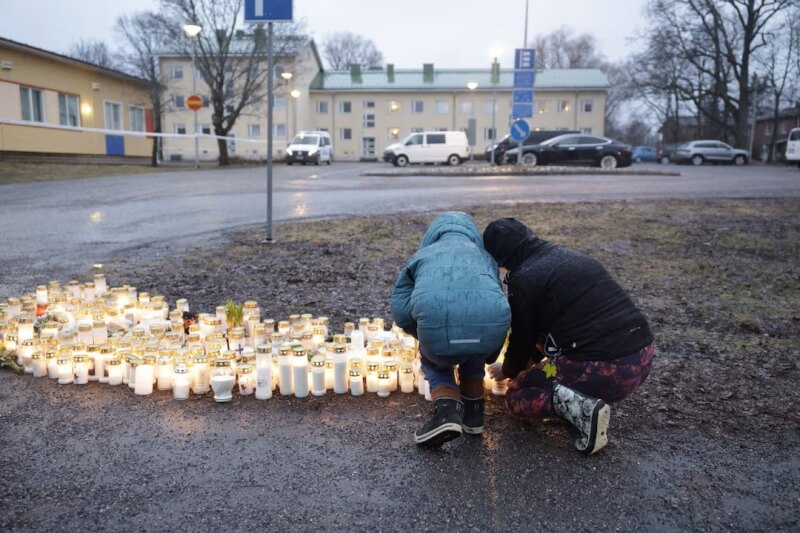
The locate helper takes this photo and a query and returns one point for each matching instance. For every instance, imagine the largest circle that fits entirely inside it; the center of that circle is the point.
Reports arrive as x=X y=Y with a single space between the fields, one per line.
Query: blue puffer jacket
x=449 y=295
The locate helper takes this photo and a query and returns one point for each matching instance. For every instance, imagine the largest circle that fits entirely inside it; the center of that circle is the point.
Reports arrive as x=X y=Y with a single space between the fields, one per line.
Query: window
x=205 y=129
x=417 y=130
x=489 y=134
x=322 y=107
x=279 y=101
x=136 y=115
x=112 y=115
x=176 y=72
x=587 y=106
x=345 y=107
x=541 y=107
x=228 y=108
x=587 y=131
x=369 y=104
x=440 y=128
x=179 y=129
x=32 y=104
x=280 y=131
x=563 y=106
x=417 y=106
x=394 y=106
x=436 y=138
x=345 y=134
x=206 y=101
x=394 y=134
x=178 y=101
x=68 y=110
x=490 y=106
x=254 y=130
x=466 y=108
x=369 y=120
x=442 y=107
x=794 y=135
x=414 y=139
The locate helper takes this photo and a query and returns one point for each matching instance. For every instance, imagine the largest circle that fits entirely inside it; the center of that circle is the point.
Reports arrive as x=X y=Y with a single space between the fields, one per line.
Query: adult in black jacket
x=566 y=307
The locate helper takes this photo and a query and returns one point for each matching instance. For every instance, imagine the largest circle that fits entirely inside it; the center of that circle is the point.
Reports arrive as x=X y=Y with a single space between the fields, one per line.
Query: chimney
x=390 y=72
x=355 y=73
x=427 y=72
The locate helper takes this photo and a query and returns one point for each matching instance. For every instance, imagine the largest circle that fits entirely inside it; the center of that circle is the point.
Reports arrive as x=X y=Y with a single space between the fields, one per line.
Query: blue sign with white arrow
x=257 y=11
x=520 y=130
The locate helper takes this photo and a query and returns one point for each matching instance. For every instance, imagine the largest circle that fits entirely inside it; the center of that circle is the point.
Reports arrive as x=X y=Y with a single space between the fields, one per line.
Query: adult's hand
x=496 y=371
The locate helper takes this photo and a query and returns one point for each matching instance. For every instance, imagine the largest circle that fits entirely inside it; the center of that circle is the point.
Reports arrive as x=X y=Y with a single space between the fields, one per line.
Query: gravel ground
x=708 y=443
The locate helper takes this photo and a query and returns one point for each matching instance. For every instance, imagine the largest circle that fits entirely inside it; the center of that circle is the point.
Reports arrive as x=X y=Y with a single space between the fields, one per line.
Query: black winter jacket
x=563 y=299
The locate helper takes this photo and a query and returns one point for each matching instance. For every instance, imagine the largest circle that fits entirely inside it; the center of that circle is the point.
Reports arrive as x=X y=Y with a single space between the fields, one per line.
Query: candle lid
x=355 y=373
x=106 y=349
x=373 y=367
x=200 y=359
x=63 y=360
x=79 y=358
x=149 y=359
x=29 y=342
x=51 y=354
x=298 y=351
x=250 y=304
x=264 y=349
x=407 y=370
x=318 y=361
x=37 y=355
x=383 y=374
x=245 y=369
x=222 y=362
x=340 y=348
x=181 y=369
x=114 y=361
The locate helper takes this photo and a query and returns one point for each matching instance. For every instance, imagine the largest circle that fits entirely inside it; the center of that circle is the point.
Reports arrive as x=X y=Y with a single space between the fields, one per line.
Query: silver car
x=698 y=152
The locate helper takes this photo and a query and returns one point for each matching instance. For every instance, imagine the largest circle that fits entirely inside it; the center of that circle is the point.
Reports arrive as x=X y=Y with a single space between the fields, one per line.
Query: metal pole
x=269 y=131
x=494 y=127
x=525 y=43
x=474 y=129
x=194 y=91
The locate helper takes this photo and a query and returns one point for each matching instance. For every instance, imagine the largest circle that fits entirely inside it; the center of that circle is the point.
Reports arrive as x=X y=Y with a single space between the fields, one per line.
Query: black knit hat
x=502 y=237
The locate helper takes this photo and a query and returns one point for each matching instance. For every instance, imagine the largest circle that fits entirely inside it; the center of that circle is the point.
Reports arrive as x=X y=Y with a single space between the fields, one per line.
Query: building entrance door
x=368 y=148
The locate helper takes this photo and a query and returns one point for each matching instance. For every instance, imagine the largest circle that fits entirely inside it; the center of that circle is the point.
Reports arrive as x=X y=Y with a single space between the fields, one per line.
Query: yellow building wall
x=54 y=76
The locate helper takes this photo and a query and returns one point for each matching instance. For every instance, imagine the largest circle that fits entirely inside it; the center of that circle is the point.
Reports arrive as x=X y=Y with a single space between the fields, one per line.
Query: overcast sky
x=448 y=33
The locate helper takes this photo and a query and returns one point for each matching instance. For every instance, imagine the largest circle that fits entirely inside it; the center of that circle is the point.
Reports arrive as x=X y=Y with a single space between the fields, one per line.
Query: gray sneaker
x=444 y=425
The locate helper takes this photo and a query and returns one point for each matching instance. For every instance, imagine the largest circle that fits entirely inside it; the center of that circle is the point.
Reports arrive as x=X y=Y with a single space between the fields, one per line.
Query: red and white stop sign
x=194 y=102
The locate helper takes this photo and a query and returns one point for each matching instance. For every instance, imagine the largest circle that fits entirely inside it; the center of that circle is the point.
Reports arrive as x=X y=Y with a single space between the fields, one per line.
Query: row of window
x=33 y=110
x=253 y=130
x=179 y=101
x=442 y=107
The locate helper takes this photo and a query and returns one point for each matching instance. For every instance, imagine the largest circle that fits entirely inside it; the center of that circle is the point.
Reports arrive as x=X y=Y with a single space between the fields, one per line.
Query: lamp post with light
x=192 y=30
x=295 y=94
x=495 y=53
x=287 y=77
x=472 y=86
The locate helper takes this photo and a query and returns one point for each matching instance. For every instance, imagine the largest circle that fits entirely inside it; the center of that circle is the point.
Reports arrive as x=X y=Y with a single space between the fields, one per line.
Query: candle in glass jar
x=318 y=375
x=88 y=294
x=114 y=369
x=39 y=364
x=264 y=383
x=66 y=374
x=391 y=368
x=164 y=371
x=26 y=349
x=51 y=357
x=372 y=377
x=384 y=385
x=357 y=338
x=406 y=378
x=300 y=372
x=222 y=380
x=200 y=374
x=180 y=382
x=81 y=368
x=499 y=387
x=11 y=344
x=340 y=376
x=145 y=374
x=182 y=305
x=246 y=380
x=285 y=370
x=100 y=284
x=24 y=329
x=427 y=386
x=356 y=382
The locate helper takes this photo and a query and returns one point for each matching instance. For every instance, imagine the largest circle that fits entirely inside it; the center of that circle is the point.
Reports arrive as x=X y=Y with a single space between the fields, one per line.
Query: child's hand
x=496 y=371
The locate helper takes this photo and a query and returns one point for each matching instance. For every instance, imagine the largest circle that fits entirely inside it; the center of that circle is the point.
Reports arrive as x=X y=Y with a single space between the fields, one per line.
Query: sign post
x=194 y=102
x=258 y=12
x=522 y=94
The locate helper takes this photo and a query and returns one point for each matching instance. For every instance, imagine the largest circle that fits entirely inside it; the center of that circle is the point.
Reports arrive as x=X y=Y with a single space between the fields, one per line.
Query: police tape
x=46 y=125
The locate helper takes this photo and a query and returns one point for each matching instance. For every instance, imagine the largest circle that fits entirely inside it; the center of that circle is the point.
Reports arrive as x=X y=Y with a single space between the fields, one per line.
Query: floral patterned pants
x=530 y=393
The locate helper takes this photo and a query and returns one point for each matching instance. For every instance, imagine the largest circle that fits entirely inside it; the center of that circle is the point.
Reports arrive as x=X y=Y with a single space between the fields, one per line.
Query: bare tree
x=143 y=39
x=561 y=48
x=92 y=51
x=344 y=49
x=231 y=60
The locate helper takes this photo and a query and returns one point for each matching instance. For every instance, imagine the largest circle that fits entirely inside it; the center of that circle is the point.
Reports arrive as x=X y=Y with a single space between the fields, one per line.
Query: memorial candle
x=222 y=380
x=24 y=328
x=79 y=360
x=52 y=363
x=384 y=387
x=246 y=380
x=356 y=382
x=406 y=378
x=340 y=376
x=26 y=349
x=391 y=368
x=164 y=371
x=318 y=375
x=11 y=342
x=300 y=372
x=114 y=369
x=264 y=382
x=100 y=284
x=285 y=370
x=182 y=305
x=39 y=364
x=66 y=375
x=145 y=374
x=180 y=382
x=372 y=377
x=200 y=374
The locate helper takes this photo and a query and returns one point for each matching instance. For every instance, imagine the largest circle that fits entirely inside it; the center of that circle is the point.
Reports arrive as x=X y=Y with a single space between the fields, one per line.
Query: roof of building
x=786 y=112
x=41 y=52
x=453 y=79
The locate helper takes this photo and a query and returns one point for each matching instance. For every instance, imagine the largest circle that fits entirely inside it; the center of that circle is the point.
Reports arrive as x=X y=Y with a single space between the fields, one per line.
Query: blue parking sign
x=523 y=79
x=257 y=11
x=525 y=59
x=522 y=97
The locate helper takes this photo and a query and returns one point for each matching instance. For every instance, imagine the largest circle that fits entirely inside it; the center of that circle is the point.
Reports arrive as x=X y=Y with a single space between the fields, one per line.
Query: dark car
x=664 y=153
x=506 y=143
x=574 y=150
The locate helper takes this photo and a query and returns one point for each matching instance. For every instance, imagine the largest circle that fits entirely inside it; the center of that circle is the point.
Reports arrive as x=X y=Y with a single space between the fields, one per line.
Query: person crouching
x=449 y=297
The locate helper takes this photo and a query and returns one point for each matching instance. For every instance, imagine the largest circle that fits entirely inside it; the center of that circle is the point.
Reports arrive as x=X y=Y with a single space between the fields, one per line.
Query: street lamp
x=295 y=94
x=494 y=52
x=287 y=77
x=472 y=86
x=192 y=30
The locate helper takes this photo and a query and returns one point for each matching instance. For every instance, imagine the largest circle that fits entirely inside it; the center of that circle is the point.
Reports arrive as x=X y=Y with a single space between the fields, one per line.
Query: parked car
x=574 y=150
x=665 y=152
x=699 y=152
x=449 y=147
x=310 y=147
x=644 y=153
x=793 y=147
x=506 y=143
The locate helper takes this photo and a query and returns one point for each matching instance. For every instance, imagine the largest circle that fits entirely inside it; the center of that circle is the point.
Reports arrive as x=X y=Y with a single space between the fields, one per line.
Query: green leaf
x=549 y=370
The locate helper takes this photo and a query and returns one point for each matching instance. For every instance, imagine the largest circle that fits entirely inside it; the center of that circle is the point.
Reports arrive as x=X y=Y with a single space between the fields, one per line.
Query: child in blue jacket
x=449 y=297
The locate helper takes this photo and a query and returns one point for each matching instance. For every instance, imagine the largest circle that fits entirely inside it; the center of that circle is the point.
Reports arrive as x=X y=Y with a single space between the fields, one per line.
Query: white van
x=310 y=147
x=793 y=147
x=449 y=147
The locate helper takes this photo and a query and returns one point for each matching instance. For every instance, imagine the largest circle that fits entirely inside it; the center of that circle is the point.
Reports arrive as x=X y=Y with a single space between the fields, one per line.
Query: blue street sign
x=525 y=59
x=522 y=97
x=267 y=10
x=523 y=79
x=522 y=110
x=520 y=130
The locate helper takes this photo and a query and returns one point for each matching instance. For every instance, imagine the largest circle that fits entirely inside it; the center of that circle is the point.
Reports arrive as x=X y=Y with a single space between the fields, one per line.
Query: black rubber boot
x=445 y=424
x=590 y=417
x=472 y=424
